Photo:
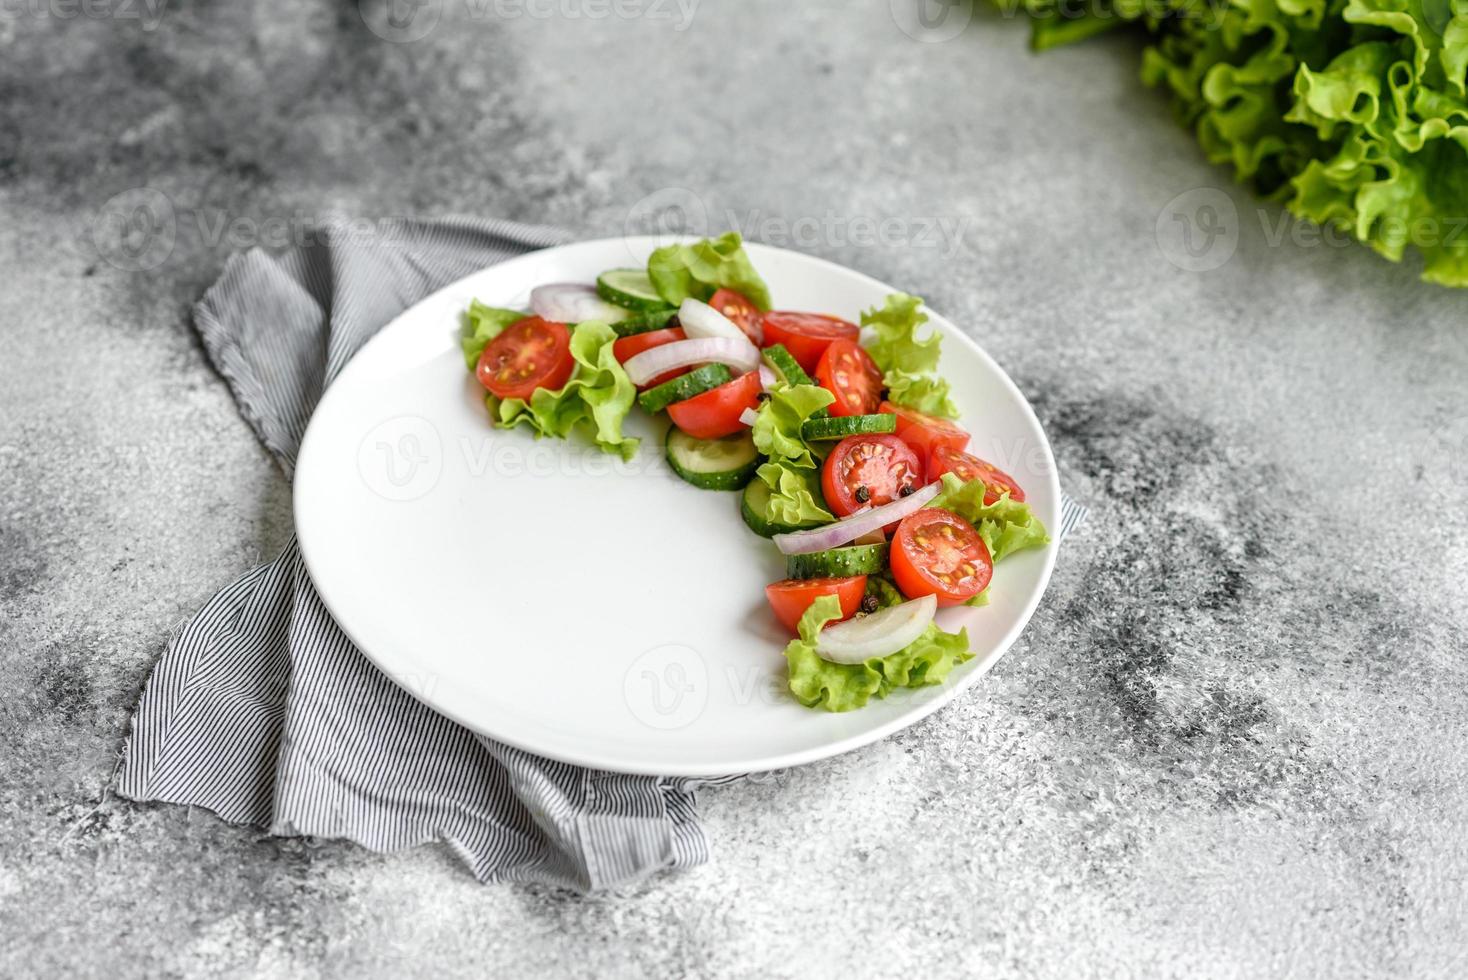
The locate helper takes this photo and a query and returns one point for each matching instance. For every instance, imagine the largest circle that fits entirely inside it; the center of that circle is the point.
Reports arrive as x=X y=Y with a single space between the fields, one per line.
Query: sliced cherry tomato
x=716 y=412
x=926 y=433
x=528 y=354
x=805 y=335
x=936 y=552
x=968 y=467
x=849 y=373
x=746 y=315
x=624 y=348
x=870 y=471
x=792 y=597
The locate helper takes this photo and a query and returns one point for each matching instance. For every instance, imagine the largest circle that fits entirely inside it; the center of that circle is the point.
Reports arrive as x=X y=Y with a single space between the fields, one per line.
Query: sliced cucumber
x=841 y=426
x=629 y=288
x=754 y=505
x=635 y=323
x=713 y=464
x=784 y=365
x=685 y=386
x=856 y=559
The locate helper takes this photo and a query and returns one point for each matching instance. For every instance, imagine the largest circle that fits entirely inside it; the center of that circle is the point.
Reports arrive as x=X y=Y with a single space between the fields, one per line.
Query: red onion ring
x=738 y=354
x=850 y=528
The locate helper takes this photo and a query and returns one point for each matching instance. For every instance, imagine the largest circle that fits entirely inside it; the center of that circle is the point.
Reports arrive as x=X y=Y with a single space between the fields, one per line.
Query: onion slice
x=698 y=319
x=740 y=355
x=767 y=377
x=882 y=633
x=850 y=528
x=573 y=302
x=748 y=416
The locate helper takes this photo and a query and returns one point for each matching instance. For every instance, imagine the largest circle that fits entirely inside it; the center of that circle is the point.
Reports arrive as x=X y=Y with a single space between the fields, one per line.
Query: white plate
x=606 y=614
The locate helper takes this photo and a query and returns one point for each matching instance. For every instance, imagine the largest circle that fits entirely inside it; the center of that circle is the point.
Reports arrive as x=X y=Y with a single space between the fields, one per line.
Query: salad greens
x=1353 y=113
x=817 y=682
x=906 y=362
x=680 y=271
x=793 y=470
x=1005 y=525
x=597 y=397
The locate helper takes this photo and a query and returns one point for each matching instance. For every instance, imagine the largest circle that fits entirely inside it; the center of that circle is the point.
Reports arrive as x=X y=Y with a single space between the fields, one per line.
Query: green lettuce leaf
x=795 y=495
x=843 y=687
x=907 y=362
x=481 y=325
x=596 y=398
x=1005 y=525
x=680 y=271
x=776 y=428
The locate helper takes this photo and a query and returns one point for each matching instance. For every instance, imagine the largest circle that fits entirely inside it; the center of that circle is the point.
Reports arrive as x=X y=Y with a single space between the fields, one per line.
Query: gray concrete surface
x=1232 y=743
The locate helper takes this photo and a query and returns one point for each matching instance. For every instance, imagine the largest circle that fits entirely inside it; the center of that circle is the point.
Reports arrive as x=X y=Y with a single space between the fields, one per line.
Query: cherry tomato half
x=789 y=599
x=968 y=467
x=869 y=470
x=745 y=315
x=716 y=412
x=624 y=348
x=926 y=433
x=849 y=373
x=805 y=335
x=528 y=354
x=936 y=552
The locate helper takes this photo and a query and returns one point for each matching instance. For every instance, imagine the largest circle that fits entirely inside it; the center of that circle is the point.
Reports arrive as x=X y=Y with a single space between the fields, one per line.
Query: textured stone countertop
x=1231 y=743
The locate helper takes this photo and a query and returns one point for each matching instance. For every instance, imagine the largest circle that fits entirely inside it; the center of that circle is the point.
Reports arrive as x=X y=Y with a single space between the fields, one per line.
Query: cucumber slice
x=784 y=365
x=631 y=289
x=635 y=323
x=788 y=371
x=841 y=426
x=713 y=464
x=754 y=504
x=856 y=559
x=685 y=386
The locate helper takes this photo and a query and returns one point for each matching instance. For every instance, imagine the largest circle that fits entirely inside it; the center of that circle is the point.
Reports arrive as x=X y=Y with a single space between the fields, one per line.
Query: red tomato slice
x=936 y=552
x=967 y=467
x=926 y=433
x=849 y=373
x=875 y=467
x=790 y=598
x=624 y=348
x=746 y=315
x=805 y=335
x=716 y=412
x=528 y=354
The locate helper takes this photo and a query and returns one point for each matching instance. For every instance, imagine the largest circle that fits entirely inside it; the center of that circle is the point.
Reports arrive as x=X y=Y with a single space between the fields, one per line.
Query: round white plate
x=607 y=614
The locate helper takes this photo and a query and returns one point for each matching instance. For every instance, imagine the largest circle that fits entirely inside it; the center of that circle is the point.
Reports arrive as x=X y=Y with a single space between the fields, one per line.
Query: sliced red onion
x=877 y=635
x=701 y=320
x=850 y=528
x=573 y=302
x=748 y=416
x=740 y=355
x=767 y=377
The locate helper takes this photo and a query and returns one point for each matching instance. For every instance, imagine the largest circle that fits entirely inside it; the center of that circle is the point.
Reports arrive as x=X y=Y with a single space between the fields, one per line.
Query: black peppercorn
x=905 y=491
x=863 y=495
x=869 y=604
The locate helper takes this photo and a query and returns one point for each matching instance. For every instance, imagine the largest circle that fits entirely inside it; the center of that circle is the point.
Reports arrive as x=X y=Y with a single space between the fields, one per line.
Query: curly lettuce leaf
x=1005 y=525
x=818 y=683
x=776 y=429
x=906 y=362
x=596 y=398
x=481 y=325
x=795 y=497
x=680 y=271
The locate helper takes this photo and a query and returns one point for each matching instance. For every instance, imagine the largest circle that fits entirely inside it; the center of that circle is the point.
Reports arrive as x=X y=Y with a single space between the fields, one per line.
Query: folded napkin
x=262 y=711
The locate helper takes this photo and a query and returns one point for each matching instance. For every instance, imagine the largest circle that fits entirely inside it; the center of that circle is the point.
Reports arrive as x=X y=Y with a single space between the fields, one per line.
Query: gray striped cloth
x=263 y=712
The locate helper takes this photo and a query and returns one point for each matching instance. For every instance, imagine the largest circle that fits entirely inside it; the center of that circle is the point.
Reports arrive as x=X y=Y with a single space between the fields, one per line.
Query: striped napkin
x=263 y=712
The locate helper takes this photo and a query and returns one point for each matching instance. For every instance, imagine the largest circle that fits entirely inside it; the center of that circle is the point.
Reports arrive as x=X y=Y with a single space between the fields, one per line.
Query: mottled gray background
x=1232 y=742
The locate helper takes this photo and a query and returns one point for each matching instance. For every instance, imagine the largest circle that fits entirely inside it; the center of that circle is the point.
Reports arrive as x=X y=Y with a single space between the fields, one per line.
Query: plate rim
x=920 y=710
